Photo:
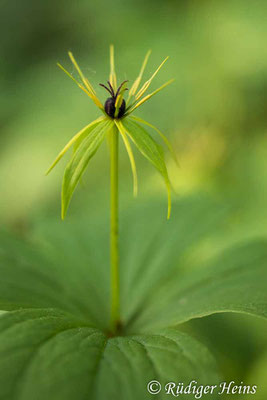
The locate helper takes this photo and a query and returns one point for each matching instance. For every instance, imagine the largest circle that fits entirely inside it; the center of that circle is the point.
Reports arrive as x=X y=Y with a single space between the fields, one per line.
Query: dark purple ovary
x=110 y=107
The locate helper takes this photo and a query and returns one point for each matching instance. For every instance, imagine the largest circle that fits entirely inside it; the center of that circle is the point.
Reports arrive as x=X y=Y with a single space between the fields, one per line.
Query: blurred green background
x=215 y=115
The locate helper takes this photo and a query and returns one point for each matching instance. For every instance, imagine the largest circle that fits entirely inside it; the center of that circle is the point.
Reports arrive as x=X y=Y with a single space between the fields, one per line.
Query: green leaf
x=80 y=160
x=44 y=354
x=56 y=349
x=159 y=284
x=46 y=277
x=150 y=149
x=258 y=376
x=69 y=268
x=236 y=281
x=154 y=249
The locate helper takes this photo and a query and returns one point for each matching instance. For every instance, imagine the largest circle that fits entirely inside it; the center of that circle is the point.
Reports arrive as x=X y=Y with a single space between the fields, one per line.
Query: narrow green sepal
x=163 y=137
x=78 y=137
x=79 y=162
x=151 y=150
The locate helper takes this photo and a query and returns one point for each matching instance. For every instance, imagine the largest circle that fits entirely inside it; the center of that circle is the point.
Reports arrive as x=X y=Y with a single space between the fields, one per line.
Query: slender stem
x=114 y=231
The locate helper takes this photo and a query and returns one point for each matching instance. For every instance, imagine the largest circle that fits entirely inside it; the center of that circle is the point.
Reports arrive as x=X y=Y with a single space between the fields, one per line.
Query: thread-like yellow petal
x=144 y=99
x=67 y=73
x=87 y=84
x=78 y=69
x=74 y=80
x=91 y=87
x=148 y=82
x=136 y=83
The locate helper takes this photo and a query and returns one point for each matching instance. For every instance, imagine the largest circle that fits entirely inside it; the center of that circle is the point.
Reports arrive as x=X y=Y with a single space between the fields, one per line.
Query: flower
x=117 y=114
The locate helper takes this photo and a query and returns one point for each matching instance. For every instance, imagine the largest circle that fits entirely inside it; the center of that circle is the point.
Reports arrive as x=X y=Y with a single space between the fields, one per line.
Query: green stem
x=114 y=231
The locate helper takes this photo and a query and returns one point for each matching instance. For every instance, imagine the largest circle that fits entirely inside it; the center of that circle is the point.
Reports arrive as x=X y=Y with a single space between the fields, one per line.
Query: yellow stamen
x=112 y=75
x=119 y=100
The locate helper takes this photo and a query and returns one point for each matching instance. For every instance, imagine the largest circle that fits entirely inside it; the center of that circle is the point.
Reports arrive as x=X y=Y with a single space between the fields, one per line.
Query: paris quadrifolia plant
x=117 y=120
